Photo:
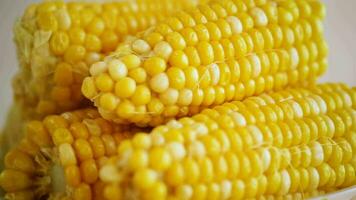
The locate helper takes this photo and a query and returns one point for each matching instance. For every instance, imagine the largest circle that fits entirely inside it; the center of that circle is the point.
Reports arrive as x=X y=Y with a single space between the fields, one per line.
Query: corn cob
x=56 y=41
x=218 y=52
x=59 y=157
x=294 y=141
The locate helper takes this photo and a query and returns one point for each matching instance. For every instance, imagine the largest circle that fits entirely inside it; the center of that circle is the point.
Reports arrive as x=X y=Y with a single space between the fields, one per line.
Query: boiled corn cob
x=60 y=156
x=294 y=141
x=218 y=52
x=56 y=42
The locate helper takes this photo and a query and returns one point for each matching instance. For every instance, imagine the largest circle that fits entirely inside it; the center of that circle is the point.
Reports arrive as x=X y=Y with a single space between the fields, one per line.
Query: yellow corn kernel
x=74 y=53
x=59 y=43
x=83 y=149
x=144 y=178
x=77 y=35
x=163 y=49
x=138 y=74
x=63 y=75
x=18 y=160
x=88 y=88
x=47 y=21
x=72 y=174
x=125 y=87
x=61 y=136
x=61 y=94
x=92 y=43
x=142 y=95
x=179 y=59
x=37 y=133
x=89 y=171
x=176 y=41
x=154 y=65
x=109 y=41
x=83 y=191
x=23 y=181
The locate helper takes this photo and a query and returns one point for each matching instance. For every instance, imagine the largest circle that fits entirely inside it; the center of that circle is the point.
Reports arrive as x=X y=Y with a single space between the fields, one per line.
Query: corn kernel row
x=293 y=141
x=60 y=157
x=56 y=42
x=221 y=51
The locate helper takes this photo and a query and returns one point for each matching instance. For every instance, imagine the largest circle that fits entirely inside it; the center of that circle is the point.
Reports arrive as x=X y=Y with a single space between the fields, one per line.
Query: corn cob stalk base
x=59 y=157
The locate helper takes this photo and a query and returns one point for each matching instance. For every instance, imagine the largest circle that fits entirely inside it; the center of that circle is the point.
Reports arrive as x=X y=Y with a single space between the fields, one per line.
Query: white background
x=340 y=32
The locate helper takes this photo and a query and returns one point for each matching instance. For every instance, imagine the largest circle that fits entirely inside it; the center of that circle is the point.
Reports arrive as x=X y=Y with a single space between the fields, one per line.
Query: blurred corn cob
x=56 y=42
x=218 y=52
x=60 y=156
x=13 y=122
x=11 y=132
x=293 y=141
